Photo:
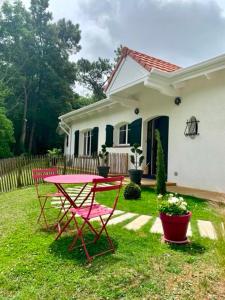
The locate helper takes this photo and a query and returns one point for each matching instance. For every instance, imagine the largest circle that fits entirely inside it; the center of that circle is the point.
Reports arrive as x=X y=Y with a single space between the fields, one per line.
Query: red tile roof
x=146 y=61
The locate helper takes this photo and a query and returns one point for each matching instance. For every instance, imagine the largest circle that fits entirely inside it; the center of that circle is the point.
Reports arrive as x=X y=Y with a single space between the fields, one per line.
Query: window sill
x=122 y=146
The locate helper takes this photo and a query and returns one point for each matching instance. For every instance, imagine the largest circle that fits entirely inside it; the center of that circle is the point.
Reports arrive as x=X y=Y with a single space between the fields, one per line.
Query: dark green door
x=162 y=124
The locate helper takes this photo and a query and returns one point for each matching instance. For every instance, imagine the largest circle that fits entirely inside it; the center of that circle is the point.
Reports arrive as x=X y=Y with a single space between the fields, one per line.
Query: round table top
x=73 y=178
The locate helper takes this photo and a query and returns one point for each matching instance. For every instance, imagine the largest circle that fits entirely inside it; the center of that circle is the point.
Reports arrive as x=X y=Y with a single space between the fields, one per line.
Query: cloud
x=181 y=31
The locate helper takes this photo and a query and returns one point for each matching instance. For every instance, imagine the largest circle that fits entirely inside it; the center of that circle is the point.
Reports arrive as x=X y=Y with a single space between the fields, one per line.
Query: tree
x=34 y=54
x=118 y=53
x=6 y=127
x=81 y=101
x=160 y=167
x=93 y=75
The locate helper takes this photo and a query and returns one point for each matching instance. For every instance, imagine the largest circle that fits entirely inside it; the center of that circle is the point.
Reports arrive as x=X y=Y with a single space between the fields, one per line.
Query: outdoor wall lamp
x=177 y=100
x=136 y=111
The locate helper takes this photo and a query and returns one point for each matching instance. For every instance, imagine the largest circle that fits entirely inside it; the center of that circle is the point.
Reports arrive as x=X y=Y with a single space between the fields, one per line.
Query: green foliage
x=6 y=127
x=54 y=152
x=160 y=167
x=137 y=158
x=132 y=191
x=81 y=101
x=104 y=156
x=173 y=205
x=118 y=53
x=93 y=75
x=35 y=66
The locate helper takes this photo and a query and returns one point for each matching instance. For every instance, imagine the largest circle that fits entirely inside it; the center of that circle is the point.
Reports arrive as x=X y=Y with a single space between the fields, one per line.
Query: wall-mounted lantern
x=136 y=111
x=191 y=129
x=177 y=100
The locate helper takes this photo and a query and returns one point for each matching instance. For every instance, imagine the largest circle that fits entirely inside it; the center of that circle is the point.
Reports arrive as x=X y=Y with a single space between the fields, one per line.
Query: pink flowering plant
x=172 y=205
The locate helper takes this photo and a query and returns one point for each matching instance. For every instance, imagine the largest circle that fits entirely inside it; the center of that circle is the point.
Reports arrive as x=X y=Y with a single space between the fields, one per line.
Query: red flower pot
x=175 y=228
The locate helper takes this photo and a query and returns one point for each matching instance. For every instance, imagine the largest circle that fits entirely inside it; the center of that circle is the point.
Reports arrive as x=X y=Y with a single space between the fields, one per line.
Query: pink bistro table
x=59 y=181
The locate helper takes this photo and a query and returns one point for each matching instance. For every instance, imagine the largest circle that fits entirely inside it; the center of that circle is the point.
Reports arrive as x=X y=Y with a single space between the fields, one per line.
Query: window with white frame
x=123 y=134
x=87 y=142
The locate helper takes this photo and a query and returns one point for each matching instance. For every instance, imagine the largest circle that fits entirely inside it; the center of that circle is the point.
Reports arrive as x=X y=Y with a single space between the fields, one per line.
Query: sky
x=183 y=32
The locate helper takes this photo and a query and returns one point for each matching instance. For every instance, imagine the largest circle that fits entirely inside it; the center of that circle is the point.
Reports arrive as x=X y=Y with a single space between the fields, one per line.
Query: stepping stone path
x=206 y=228
x=138 y=222
x=157 y=226
x=121 y=218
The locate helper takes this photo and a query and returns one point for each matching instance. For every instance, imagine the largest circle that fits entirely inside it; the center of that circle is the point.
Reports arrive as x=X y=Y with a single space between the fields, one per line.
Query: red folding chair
x=94 y=210
x=38 y=176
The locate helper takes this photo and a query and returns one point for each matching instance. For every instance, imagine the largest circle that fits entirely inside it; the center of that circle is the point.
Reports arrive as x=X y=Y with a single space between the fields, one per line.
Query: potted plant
x=103 y=168
x=175 y=217
x=136 y=159
x=54 y=155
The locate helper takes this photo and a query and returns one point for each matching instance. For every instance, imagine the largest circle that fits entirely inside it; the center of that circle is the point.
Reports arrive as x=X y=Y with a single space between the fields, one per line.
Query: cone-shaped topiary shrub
x=132 y=191
x=160 y=167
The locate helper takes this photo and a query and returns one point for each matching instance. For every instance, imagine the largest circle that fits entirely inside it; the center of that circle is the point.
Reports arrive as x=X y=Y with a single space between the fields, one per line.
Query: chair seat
x=96 y=211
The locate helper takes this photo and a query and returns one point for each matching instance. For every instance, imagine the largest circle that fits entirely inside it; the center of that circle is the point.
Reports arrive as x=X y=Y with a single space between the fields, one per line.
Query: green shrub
x=132 y=191
x=160 y=167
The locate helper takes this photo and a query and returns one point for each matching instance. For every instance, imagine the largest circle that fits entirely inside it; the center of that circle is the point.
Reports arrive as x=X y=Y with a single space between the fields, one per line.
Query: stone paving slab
x=116 y=213
x=206 y=229
x=122 y=218
x=138 y=222
x=157 y=226
x=189 y=231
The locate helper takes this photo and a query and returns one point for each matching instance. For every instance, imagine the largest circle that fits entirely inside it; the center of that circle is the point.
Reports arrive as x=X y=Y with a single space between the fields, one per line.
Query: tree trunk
x=24 y=121
x=30 y=147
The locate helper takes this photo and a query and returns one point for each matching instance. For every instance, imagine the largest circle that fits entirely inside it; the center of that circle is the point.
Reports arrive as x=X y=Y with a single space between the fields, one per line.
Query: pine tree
x=160 y=167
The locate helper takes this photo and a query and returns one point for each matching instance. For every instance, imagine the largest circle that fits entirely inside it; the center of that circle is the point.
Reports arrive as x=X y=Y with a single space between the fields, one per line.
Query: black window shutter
x=109 y=135
x=134 y=132
x=76 y=143
x=129 y=138
x=94 y=141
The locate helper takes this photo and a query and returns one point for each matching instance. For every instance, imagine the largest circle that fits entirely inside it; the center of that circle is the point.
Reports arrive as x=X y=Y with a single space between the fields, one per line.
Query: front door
x=162 y=124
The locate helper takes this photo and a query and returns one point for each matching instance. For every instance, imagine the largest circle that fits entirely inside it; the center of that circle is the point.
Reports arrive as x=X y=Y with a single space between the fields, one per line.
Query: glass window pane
x=85 y=143
x=123 y=135
x=89 y=143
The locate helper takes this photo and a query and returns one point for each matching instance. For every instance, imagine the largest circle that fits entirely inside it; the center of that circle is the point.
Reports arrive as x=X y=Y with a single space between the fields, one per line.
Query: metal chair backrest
x=115 y=183
x=39 y=174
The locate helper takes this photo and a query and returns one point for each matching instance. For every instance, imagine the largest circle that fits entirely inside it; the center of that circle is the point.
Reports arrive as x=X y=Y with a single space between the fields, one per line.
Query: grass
x=34 y=266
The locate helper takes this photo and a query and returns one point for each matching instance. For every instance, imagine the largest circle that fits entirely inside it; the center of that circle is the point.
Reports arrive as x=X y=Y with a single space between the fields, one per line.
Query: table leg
x=72 y=204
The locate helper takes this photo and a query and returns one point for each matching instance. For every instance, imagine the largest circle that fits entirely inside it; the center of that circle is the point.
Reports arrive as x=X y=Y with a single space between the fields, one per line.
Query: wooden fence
x=17 y=172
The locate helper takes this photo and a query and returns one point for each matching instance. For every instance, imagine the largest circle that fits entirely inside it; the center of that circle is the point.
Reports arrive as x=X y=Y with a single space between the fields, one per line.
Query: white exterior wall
x=112 y=117
x=130 y=72
x=199 y=162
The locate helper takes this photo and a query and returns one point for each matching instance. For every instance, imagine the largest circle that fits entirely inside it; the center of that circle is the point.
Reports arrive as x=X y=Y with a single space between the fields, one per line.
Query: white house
x=187 y=105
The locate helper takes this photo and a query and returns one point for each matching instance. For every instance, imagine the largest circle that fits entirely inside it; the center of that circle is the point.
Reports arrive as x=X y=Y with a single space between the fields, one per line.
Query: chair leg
x=71 y=246
x=62 y=208
x=109 y=240
x=42 y=213
x=80 y=235
x=89 y=258
x=107 y=235
x=64 y=227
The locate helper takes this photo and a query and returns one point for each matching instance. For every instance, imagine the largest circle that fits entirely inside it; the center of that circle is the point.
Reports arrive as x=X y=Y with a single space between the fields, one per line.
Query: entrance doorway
x=162 y=124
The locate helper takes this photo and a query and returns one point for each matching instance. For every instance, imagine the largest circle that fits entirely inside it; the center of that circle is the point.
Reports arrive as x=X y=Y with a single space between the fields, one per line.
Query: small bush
x=132 y=191
x=160 y=167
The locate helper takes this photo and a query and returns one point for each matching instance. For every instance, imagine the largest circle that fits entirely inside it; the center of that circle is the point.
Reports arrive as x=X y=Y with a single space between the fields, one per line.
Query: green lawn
x=34 y=266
